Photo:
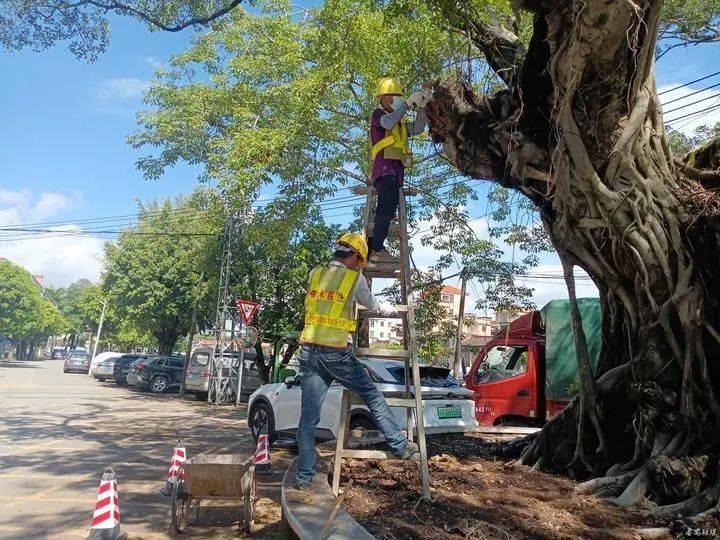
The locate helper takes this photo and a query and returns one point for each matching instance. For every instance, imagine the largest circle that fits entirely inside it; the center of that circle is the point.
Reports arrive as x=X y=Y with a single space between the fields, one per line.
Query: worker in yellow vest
x=390 y=153
x=327 y=353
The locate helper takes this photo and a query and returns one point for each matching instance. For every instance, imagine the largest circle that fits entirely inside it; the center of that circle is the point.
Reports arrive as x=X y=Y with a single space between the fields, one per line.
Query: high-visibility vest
x=328 y=306
x=394 y=145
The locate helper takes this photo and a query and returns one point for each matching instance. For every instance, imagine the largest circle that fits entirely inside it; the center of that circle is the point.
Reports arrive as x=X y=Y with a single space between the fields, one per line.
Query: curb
x=306 y=512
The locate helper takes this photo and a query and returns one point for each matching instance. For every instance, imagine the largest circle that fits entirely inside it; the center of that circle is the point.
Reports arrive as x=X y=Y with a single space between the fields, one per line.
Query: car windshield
x=79 y=355
x=437 y=377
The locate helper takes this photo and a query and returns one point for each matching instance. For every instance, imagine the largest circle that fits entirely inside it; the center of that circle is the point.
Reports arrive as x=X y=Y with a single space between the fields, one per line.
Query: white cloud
x=50 y=204
x=121 y=88
x=680 y=119
x=153 y=62
x=61 y=258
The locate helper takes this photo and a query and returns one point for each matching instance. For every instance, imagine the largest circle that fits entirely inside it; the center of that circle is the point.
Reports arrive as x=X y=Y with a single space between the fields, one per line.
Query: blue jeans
x=319 y=367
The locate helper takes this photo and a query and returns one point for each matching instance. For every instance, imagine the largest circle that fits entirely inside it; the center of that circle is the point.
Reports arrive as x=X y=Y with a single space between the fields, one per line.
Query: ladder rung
x=362 y=190
x=400 y=402
x=391 y=354
x=388 y=273
x=372 y=454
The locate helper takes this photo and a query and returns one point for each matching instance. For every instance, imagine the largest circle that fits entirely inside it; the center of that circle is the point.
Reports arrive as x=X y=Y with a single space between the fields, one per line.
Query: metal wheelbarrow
x=215 y=476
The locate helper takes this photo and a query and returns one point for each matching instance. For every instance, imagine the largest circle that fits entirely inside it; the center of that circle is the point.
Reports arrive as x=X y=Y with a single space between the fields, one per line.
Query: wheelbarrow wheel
x=250 y=498
x=180 y=506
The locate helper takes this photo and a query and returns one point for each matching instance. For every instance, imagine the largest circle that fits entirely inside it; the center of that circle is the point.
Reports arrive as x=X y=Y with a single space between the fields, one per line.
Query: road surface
x=59 y=431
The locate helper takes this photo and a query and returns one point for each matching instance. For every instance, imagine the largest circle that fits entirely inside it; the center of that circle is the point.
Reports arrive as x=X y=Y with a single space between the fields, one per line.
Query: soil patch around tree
x=477 y=494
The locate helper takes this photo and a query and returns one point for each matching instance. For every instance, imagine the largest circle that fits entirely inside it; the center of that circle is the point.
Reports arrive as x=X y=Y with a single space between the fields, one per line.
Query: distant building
x=385 y=330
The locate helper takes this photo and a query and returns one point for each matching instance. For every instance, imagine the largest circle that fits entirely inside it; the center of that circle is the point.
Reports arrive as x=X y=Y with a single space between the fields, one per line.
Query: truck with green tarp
x=526 y=373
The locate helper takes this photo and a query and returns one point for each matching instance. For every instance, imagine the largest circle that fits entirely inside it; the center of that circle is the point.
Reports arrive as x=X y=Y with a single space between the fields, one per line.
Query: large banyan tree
x=578 y=129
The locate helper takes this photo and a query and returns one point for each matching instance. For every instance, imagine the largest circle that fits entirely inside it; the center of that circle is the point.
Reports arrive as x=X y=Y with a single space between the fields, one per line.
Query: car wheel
x=101 y=379
x=158 y=384
x=261 y=418
x=362 y=422
x=65 y=370
x=201 y=396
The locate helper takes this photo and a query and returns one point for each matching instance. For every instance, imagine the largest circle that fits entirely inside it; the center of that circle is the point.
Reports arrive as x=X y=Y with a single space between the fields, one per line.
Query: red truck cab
x=524 y=374
x=508 y=376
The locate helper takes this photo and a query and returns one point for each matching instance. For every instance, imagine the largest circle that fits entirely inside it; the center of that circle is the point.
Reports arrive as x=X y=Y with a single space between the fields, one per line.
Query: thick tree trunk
x=580 y=132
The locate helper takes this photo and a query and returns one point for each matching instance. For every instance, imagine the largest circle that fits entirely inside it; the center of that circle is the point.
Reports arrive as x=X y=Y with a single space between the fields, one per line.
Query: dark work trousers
x=388 y=196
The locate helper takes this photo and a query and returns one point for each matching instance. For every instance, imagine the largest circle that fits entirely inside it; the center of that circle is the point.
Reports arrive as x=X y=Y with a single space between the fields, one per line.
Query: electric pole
x=457 y=365
x=191 y=335
x=97 y=337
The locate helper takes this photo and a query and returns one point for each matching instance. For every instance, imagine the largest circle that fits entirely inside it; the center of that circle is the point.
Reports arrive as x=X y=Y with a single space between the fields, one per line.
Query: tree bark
x=579 y=131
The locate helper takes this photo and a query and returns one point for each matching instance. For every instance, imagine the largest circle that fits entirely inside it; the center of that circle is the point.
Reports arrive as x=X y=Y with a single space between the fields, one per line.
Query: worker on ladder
x=327 y=353
x=390 y=153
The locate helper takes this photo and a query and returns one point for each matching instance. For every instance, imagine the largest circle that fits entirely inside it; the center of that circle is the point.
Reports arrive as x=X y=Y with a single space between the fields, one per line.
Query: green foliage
x=152 y=271
x=688 y=22
x=24 y=313
x=283 y=99
x=273 y=260
x=681 y=144
x=84 y=25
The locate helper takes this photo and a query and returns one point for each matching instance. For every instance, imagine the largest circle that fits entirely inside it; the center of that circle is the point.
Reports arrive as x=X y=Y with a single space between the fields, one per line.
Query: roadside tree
x=151 y=271
x=577 y=129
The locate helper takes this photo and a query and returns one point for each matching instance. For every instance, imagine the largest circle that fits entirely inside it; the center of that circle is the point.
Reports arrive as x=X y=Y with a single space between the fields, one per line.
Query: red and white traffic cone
x=262 y=455
x=106 y=518
x=175 y=472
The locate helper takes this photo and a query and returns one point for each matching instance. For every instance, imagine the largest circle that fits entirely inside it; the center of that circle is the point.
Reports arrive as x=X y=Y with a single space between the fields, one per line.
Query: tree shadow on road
x=56 y=448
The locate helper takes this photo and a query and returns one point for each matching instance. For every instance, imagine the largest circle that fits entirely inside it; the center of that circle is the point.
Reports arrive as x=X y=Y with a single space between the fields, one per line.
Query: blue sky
x=64 y=154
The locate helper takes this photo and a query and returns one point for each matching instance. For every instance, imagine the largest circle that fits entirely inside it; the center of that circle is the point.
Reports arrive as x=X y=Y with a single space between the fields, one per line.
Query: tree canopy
x=25 y=314
x=151 y=273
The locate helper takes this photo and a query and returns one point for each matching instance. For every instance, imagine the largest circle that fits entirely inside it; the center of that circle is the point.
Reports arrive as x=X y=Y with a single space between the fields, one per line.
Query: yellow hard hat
x=388 y=86
x=357 y=242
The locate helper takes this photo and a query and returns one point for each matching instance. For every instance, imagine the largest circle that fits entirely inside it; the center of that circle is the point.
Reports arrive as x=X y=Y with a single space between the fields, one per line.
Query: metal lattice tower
x=225 y=369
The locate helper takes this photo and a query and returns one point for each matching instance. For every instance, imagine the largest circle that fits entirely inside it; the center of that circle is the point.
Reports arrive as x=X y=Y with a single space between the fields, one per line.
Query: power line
x=687 y=83
x=688 y=115
x=692 y=103
x=690 y=95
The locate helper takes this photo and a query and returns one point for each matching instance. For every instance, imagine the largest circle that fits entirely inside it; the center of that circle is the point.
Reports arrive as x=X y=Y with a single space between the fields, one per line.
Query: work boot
x=382 y=257
x=410 y=450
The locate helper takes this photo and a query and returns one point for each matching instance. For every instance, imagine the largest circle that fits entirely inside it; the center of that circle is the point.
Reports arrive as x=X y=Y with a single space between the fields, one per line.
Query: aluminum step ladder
x=412 y=399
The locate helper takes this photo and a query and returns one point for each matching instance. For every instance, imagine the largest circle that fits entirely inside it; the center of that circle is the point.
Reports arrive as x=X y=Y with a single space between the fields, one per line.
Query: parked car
x=77 y=362
x=446 y=403
x=122 y=367
x=102 y=357
x=159 y=374
x=58 y=353
x=132 y=374
x=105 y=369
x=524 y=374
x=197 y=379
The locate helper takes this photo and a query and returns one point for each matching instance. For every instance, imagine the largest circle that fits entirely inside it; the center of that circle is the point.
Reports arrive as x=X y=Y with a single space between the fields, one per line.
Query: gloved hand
x=397 y=102
x=420 y=99
x=387 y=309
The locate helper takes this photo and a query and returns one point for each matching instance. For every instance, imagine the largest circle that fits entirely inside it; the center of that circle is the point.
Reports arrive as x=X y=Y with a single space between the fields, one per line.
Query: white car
x=447 y=405
x=99 y=358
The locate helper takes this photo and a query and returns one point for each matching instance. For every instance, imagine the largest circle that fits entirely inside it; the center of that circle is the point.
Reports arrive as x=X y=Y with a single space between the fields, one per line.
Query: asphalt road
x=59 y=431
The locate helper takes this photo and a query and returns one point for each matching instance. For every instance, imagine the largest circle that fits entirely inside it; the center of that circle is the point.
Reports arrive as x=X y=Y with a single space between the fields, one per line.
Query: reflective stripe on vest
x=394 y=145
x=328 y=306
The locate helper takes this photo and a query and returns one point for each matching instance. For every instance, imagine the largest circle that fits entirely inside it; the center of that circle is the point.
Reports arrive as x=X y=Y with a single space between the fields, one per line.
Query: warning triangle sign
x=247 y=309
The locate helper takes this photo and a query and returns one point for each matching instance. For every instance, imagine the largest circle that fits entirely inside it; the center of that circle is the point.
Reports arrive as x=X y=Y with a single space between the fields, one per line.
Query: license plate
x=449 y=412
